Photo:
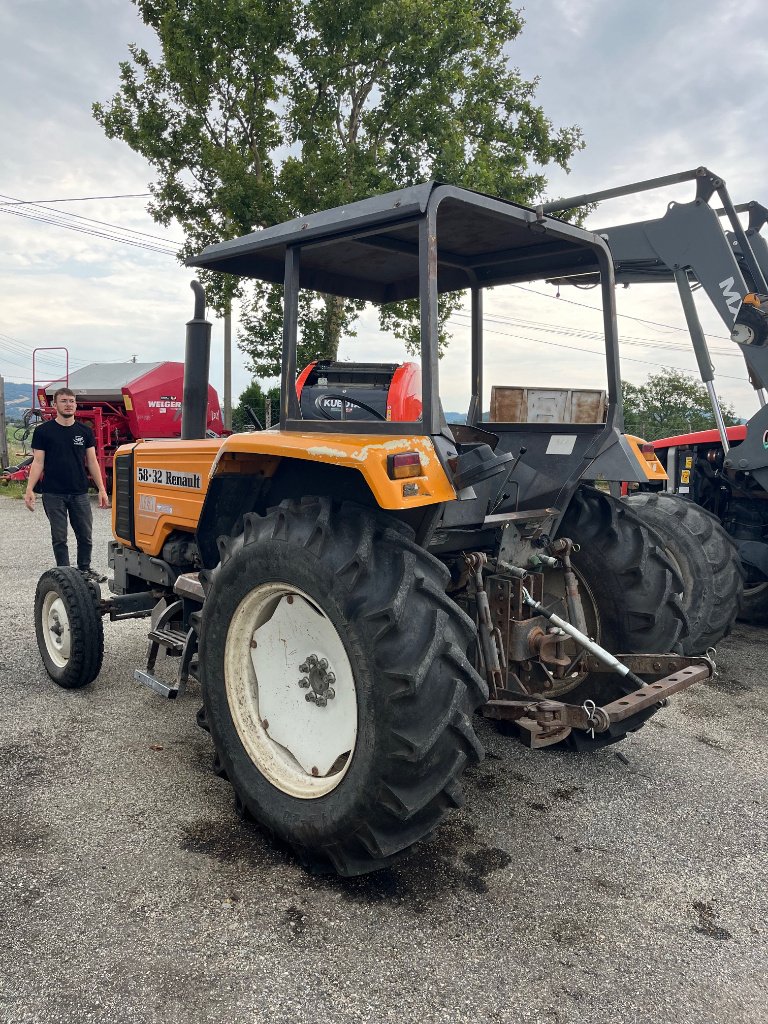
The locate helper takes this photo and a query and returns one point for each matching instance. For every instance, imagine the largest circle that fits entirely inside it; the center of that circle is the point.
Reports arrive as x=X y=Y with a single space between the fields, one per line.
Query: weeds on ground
x=13 y=489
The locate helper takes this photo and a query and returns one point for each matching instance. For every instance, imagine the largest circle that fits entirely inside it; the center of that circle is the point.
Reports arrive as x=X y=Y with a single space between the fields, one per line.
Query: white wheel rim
x=56 y=631
x=275 y=690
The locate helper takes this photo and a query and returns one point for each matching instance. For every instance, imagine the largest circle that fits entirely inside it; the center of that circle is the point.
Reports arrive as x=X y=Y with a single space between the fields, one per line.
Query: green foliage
x=257 y=112
x=256 y=398
x=669 y=403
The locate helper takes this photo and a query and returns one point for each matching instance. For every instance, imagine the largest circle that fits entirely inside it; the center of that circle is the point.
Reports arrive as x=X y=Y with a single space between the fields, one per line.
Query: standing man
x=62 y=449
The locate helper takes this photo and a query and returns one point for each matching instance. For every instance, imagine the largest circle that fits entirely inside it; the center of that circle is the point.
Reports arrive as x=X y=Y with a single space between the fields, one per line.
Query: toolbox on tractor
x=351 y=586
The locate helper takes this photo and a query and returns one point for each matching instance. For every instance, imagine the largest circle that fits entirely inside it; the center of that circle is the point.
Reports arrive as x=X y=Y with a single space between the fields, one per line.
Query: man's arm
x=35 y=472
x=93 y=468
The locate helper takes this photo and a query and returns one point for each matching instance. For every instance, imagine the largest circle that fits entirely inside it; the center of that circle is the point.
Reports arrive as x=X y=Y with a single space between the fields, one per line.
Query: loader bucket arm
x=688 y=246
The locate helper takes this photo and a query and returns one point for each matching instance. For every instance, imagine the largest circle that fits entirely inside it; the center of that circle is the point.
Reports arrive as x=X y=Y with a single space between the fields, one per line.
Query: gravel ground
x=622 y=886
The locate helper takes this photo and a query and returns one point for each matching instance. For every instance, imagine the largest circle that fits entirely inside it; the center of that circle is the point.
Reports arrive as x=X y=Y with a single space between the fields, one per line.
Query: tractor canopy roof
x=370 y=249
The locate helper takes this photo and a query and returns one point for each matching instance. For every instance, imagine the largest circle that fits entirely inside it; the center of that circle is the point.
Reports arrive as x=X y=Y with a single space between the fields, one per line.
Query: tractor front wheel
x=336 y=685
x=70 y=633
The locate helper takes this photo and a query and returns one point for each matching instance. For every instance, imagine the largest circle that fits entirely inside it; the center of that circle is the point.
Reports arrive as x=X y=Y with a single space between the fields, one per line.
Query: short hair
x=64 y=391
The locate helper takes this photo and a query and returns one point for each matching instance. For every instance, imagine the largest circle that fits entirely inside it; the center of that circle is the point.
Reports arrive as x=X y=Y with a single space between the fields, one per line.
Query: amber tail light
x=400 y=467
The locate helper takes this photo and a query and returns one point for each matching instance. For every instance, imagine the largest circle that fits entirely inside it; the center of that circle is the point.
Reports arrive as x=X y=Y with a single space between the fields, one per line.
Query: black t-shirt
x=65 y=449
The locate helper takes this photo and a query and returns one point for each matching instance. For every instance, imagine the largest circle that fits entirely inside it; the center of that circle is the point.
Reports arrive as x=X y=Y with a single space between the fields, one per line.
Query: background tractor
x=718 y=476
x=351 y=586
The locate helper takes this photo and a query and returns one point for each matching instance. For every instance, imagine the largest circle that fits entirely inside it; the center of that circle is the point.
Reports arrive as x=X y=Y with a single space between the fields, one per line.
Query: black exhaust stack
x=197 y=358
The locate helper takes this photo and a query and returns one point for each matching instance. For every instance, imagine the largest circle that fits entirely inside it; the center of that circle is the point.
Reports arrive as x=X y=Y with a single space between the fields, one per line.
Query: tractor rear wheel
x=70 y=633
x=336 y=685
x=754 y=605
x=707 y=560
x=633 y=596
x=634 y=583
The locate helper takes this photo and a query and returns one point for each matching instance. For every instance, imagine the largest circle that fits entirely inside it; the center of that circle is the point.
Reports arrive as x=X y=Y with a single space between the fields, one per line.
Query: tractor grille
x=124 y=525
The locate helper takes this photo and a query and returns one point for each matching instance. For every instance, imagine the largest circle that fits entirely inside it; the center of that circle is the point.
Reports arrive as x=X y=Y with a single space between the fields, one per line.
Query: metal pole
x=3 y=434
x=706 y=369
x=741 y=236
x=622 y=190
x=289 y=403
x=476 y=404
x=428 y=307
x=228 y=367
x=718 y=416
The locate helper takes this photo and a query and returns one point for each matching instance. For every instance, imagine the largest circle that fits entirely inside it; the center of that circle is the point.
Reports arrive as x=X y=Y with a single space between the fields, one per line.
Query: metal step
x=147 y=679
x=172 y=639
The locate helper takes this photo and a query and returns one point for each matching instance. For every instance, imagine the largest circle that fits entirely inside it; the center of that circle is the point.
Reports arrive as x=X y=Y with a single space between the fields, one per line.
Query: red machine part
x=302 y=378
x=153 y=403
x=147 y=407
x=404 y=399
x=734 y=435
x=16 y=474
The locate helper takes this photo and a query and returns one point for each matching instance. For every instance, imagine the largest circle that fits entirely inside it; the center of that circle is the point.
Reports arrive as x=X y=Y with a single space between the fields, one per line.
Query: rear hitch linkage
x=549 y=721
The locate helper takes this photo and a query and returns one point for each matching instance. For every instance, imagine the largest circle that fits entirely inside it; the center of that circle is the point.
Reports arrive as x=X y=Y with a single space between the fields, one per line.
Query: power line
x=596 y=352
x=109 y=235
x=578 y=332
x=14 y=377
x=46 y=367
x=80 y=216
x=23 y=348
x=86 y=231
x=626 y=316
x=81 y=199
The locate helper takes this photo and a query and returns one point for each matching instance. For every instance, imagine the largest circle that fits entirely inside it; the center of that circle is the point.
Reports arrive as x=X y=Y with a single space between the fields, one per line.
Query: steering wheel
x=345 y=400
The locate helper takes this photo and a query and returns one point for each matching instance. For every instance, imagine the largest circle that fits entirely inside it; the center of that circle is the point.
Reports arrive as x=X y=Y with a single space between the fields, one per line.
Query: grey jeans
x=78 y=508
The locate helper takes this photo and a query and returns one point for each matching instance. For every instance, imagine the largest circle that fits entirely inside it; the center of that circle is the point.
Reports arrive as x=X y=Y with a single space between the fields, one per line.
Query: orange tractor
x=352 y=585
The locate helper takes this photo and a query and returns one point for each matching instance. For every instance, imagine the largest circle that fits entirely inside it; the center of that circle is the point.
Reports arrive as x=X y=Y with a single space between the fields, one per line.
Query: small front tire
x=70 y=633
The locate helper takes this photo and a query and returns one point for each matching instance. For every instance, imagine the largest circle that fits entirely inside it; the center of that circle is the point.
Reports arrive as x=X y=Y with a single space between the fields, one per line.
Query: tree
x=255 y=398
x=669 y=403
x=257 y=112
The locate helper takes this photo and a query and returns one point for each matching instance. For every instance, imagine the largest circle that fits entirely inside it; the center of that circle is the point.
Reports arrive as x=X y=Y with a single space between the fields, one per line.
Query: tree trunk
x=334 y=317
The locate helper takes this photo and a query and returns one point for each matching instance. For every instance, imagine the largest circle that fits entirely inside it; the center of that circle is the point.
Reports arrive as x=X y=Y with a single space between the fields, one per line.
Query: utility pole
x=3 y=431
x=228 y=366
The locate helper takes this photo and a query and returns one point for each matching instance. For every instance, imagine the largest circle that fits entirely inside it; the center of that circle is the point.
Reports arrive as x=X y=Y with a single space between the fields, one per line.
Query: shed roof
x=104 y=380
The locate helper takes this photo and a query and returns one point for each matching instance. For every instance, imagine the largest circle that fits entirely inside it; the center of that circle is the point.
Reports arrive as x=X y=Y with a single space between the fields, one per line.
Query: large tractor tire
x=336 y=685
x=70 y=633
x=631 y=593
x=707 y=560
x=754 y=604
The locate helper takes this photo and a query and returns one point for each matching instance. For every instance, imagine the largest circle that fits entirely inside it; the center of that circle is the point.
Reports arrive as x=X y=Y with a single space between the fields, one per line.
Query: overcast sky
x=657 y=87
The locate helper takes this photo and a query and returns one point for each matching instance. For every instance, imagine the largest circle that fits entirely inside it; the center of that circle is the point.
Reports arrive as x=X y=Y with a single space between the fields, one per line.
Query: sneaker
x=93 y=576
